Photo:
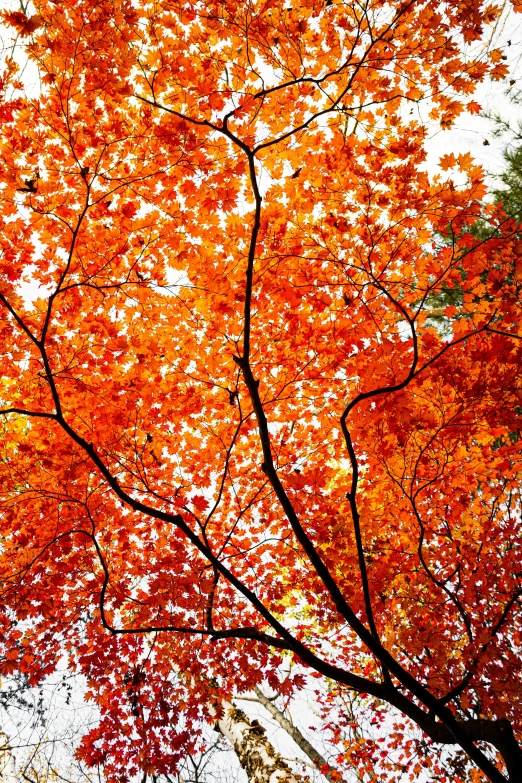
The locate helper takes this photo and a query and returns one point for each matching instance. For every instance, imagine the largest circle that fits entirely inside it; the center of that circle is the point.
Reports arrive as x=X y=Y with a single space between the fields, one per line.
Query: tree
x=46 y=723
x=7 y=761
x=294 y=732
x=41 y=728
x=231 y=434
x=256 y=754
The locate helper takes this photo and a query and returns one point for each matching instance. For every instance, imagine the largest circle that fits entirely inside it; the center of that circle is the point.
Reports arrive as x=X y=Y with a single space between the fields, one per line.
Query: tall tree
x=294 y=732
x=256 y=754
x=231 y=434
x=7 y=761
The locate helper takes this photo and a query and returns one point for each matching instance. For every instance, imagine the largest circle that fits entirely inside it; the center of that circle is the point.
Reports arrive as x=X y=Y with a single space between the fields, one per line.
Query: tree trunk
x=297 y=736
x=8 y=772
x=256 y=755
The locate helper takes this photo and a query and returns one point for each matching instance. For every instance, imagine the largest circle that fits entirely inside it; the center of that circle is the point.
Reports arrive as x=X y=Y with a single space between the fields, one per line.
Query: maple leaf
x=24 y=24
x=473 y=107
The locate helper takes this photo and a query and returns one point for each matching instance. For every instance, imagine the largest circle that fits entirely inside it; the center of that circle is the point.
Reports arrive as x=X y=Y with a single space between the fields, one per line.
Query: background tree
x=232 y=436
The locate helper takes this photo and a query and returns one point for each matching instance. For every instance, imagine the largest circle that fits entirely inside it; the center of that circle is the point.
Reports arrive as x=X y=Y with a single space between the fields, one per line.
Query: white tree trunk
x=256 y=755
x=8 y=772
x=299 y=738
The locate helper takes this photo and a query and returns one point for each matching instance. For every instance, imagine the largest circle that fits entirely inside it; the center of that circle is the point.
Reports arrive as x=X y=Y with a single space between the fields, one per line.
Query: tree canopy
x=232 y=433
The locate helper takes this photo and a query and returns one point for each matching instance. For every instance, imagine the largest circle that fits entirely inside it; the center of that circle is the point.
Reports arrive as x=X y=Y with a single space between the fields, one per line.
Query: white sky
x=470 y=131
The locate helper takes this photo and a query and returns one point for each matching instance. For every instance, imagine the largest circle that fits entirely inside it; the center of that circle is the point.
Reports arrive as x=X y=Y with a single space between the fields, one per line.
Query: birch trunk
x=8 y=772
x=256 y=754
x=298 y=737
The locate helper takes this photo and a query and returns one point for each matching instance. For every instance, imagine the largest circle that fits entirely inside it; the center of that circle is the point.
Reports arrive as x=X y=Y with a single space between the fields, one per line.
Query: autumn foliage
x=238 y=427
